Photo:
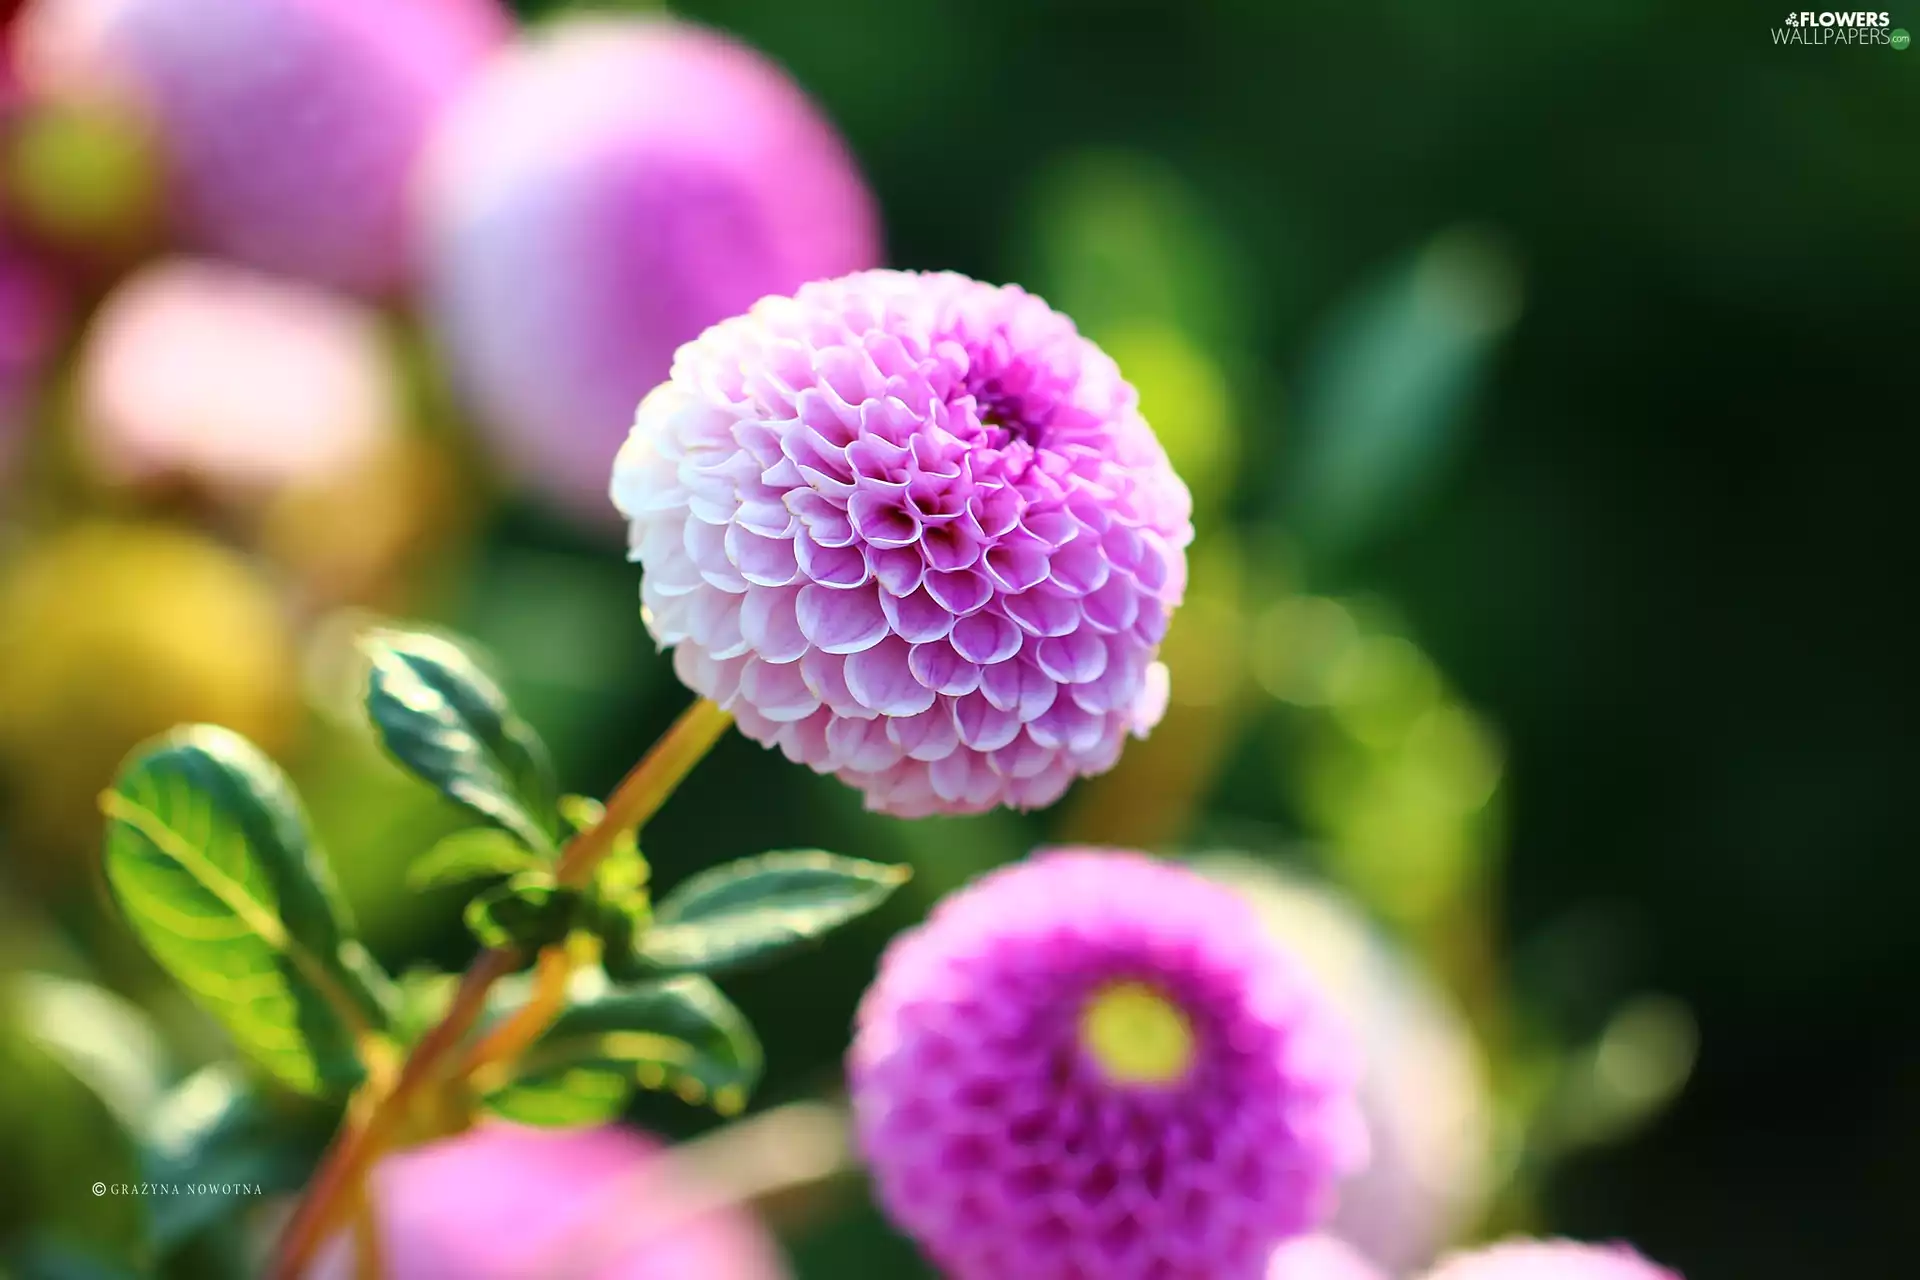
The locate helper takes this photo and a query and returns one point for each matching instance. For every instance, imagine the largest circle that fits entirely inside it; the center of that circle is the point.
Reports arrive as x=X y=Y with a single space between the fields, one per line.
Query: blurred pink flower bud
x=1551 y=1260
x=1320 y=1258
x=289 y=129
x=1424 y=1091
x=505 y=1202
x=239 y=380
x=610 y=190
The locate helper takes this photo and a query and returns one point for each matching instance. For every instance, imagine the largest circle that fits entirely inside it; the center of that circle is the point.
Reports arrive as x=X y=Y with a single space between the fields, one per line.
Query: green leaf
x=756 y=909
x=213 y=1131
x=107 y=1043
x=209 y=855
x=530 y=911
x=473 y=854
x=680 y=1034
x=1387 y=396
x=446 y=721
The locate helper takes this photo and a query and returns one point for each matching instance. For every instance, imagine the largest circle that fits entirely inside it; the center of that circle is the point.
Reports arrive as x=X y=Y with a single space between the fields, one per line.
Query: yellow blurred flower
x=110 y=633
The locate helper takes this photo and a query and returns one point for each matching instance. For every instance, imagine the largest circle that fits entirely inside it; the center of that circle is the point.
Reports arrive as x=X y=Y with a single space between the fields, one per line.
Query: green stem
x=344 y=1167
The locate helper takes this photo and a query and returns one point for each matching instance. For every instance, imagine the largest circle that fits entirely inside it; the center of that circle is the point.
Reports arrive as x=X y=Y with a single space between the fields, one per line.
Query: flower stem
x=342 y=1171
x=637 y=798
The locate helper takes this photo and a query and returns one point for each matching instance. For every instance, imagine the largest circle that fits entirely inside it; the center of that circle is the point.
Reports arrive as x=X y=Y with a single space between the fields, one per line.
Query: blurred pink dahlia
x=1551 y=1260
x=1424 y=1092
x=912 y=529
x=1320 y=1258
x=611 y=189
x=240 y=380
x=504 y=1202
x=290 y=130
x=1096 y=1066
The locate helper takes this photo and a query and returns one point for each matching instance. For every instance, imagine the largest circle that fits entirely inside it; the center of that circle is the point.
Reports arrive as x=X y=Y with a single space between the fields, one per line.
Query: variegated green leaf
x=680 y=1035
x=208 y=853
x=447 y=722
x=757 y=909
x=473 y=854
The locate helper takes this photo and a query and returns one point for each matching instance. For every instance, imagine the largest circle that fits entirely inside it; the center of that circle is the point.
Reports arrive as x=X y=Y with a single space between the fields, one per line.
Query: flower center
x=1136 y=1035
x=1016 y=399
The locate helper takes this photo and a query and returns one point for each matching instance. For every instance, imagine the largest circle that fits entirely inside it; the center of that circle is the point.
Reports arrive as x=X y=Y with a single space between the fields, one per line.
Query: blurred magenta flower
x=1425 y=1094
x=1320 y=1258
x=1551 y=1260
x=239 y=380
x=1095 y=1064
x=290 y=130
x=505 y=1202
x=32 y=307
x=913 y=529
x=613 y=188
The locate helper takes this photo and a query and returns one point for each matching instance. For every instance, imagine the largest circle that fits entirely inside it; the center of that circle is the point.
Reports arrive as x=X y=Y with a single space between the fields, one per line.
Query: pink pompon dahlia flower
x=289 y=130
x=1551 y=1260
x=913 y=530
x=506 y=1202
x=613 y=187
x=1320 y=1258
x=1096 y=1066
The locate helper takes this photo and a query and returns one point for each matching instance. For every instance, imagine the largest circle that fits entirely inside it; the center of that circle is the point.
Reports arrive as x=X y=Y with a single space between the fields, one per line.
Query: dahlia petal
x=961 y=592
x=1019 y=686
x=951 y=546
x=883 y=519
x=706 y=546
x=825 y=520
x=841 y=621
x=937 y=666
x=840 y=567
x=862 y=745
x=917 y=618
x=770 y=623
x=825 y=674
x=1155 y=689
x=1113 y=605
x=1022 y=758
x=777 y=690
x=881 y=677
x=898 y=569
x=926 y=736
x=762 y=561
x=983 y=726
x=713 y=621
x=986 y=638
x=1078 y=568
x=1017 y=563
x=1075 y=658
x=1043 y=612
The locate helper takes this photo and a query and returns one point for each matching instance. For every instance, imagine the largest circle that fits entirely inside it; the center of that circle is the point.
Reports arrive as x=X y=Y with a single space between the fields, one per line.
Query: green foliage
x=680 y=1034
x=215 y=1130
x=477 y=853
x=446 y=721
x=1388 y=393
x=209 y=855
x=70 y=1080
x=529 y=911
x=758 y=909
